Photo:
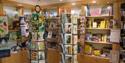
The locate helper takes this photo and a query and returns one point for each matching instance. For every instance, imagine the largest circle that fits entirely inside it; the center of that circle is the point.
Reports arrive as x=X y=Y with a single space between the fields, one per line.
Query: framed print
x=75 y=60
x=41 y=46
x=106 y=11
x=74 y=19
x=95 y=11
x=68 y=50
x=75 y=39
x=41 y=55
x=68 y=28
x=75 y=49
x=68 y=38
x=69 y=59
x=74 y=30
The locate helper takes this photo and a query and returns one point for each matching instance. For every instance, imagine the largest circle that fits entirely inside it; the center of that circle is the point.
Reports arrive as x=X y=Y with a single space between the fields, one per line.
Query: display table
x=92 y=59
x=19 y=57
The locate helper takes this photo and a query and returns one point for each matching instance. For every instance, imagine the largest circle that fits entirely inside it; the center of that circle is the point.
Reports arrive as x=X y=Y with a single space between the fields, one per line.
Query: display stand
x=37 y=45
x=69 y=38
x=52 y=39
x=122 y=43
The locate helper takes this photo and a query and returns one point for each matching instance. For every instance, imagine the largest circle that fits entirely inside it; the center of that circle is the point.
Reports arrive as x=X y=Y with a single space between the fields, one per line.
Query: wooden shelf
x=99 y=16
x=36 y=50
x=38 y=41
x=98 y=42
x=13 y=30
x=98 y=57
x=98 y=29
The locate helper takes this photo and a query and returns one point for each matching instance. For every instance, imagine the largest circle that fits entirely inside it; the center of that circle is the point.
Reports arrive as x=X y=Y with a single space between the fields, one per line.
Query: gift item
x=97 y=52
x=88 y=49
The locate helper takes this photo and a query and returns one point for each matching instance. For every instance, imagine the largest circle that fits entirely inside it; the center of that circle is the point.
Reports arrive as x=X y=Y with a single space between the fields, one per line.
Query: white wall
x=11 y=11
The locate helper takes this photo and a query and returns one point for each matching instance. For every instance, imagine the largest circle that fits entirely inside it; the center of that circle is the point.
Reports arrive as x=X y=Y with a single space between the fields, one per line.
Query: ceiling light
x=93 y=1
x=60 y=0
x=108 y=2
x=109 y=7
x=19 y=5
x=73 y=3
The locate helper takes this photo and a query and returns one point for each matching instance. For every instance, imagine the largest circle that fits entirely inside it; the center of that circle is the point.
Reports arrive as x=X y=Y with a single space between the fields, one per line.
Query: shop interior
x=62 y=31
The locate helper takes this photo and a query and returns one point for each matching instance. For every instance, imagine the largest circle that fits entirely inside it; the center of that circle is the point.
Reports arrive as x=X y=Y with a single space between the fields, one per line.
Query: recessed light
x=60 y=0
x=93 y=1
x=19 y=5
x=109 y=7
x=73 y=3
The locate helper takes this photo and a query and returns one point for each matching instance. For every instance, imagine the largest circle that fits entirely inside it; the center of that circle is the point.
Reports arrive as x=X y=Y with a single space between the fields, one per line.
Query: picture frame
x=75 y=49
x=68 y=28
x=41 y=55
x=74 y=19
x=75 y=39
x=68 y=38
x=68 y=50
x=69 y=59
x=74 y=29
x=41 y=45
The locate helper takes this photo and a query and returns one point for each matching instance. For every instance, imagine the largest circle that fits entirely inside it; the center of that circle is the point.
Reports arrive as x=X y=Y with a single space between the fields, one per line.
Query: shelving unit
x=69 y=38
x=96 y=35
x=98 y=57
x=53 y=38
x=94 y=42
x=122 y=43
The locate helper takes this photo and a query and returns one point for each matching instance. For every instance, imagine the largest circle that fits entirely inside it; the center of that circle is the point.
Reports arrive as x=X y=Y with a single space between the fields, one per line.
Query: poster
x=115 y=35
x=3 y=26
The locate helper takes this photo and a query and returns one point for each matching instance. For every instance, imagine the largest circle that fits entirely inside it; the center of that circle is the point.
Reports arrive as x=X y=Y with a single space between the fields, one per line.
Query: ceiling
x=30 y=3
x=43 y=2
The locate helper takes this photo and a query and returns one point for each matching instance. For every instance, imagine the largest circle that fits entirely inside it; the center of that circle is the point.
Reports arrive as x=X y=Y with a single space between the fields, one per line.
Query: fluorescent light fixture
x=73 y=3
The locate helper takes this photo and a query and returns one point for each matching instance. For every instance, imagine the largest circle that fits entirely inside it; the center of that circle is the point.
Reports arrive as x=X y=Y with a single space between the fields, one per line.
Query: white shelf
x=97 y=42
x=98 y=57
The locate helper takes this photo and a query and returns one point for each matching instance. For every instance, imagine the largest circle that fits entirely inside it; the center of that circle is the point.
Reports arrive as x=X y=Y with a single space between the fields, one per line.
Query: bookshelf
x=98 y=57
x=100 y=17
x=97 y=26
